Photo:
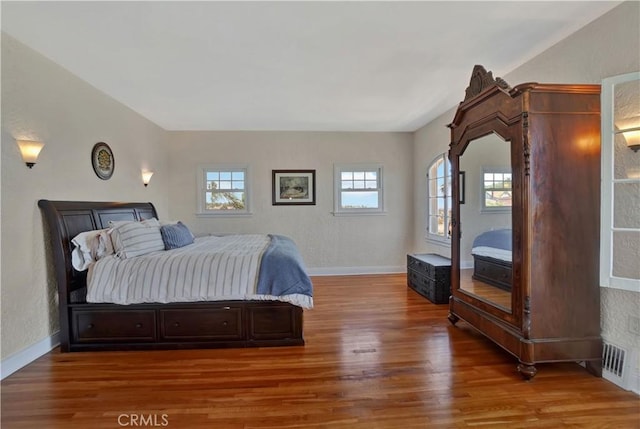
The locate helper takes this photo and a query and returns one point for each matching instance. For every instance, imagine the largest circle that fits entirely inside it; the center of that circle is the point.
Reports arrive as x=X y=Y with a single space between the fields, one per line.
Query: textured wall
x=326 y=241
x=40 y=100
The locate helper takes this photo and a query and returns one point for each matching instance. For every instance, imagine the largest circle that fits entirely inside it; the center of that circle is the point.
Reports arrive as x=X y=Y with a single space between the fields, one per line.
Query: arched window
x=439 y=199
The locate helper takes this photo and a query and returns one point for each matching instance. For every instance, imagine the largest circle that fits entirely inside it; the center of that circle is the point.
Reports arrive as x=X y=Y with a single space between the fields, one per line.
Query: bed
x=492 y=260
x=135 y=320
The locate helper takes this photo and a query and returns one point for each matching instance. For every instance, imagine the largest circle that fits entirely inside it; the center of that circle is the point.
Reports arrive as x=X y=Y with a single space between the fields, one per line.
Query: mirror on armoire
x=486 y=192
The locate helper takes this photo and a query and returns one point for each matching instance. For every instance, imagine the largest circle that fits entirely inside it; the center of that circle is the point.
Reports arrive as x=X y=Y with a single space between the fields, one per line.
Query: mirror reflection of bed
x=485 y=217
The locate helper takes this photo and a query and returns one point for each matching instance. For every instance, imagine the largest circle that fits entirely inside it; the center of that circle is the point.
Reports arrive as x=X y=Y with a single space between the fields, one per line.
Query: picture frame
x=461 y=182
x=293 y=187
x=102 y=160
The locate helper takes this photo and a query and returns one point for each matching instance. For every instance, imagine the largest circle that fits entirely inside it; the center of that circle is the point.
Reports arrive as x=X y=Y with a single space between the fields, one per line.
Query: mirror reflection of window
x=497 y=189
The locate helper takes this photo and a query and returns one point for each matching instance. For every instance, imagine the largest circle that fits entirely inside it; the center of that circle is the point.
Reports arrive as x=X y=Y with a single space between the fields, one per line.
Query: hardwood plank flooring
x=378 y=355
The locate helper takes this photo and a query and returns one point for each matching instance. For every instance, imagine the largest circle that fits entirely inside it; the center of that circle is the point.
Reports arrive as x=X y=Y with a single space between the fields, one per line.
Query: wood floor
x=377 y=356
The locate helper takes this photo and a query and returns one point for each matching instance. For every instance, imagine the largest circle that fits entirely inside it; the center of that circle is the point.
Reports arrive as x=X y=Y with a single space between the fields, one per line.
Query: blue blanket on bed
x=498 y=239
x=282 y=271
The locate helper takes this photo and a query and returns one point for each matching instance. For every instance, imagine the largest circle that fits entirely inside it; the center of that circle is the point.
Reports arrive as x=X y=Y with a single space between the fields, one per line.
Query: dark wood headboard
x=66 y=219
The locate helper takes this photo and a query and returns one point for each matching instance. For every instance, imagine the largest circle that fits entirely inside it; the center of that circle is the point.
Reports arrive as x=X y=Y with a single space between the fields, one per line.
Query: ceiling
x=312 y=66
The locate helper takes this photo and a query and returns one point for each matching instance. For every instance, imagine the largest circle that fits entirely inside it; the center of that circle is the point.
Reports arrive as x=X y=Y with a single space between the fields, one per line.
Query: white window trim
x=337 y=188
x=436 y=238
x=607 y=279
x=483 y=207
x=201 y=188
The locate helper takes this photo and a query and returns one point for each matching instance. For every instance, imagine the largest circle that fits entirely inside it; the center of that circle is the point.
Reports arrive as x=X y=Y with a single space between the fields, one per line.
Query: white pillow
x=89 y=247
x=151 y=222
x=132 y=239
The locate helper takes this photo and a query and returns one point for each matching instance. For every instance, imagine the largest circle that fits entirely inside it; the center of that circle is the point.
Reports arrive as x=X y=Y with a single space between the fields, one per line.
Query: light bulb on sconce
x=30 y=149
x=631 y=137
x=146 y=177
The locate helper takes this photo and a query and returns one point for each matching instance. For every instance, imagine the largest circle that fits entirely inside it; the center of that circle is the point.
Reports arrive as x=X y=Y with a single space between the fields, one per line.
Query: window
x=439 y=199
x=358 y=189
x=620 y=192
x=223 y=190
x=497 y=189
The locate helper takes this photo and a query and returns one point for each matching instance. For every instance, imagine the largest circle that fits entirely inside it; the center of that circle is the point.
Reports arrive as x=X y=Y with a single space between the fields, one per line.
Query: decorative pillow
x=132 y=239
x=176 y=235
x=173 y=222
x=89 y=247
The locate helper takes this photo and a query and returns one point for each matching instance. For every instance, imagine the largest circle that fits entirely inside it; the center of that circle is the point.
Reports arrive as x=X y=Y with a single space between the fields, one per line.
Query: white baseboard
x=353 y=271
x=26 y=356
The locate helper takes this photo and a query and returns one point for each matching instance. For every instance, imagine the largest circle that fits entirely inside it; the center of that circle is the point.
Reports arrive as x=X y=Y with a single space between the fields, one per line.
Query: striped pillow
x=176 y=235
x=132 y=239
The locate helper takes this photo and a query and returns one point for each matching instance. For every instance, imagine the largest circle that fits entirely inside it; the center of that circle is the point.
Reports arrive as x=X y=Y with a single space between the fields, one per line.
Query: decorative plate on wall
x=102 y=160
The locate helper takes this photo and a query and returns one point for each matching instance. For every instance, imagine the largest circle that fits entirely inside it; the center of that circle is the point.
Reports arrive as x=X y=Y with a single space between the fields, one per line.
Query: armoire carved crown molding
x=480 y=80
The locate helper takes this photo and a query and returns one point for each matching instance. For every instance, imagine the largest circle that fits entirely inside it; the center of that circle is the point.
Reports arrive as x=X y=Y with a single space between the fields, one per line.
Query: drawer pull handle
x=226 y=308
x=176 y=325
x=138 y=325
x=90 y=326
x=225 y=323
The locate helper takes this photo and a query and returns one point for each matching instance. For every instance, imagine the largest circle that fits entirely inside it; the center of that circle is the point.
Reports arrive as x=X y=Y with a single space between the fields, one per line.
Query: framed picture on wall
x=294 y=187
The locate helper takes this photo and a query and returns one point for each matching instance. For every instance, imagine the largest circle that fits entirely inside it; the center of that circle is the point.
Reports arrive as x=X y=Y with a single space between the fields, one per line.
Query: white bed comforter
x=211 y=269
x=492 y=252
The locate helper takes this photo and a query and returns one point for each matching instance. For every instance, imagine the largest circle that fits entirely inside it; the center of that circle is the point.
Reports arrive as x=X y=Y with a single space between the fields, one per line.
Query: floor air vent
x=613 y=364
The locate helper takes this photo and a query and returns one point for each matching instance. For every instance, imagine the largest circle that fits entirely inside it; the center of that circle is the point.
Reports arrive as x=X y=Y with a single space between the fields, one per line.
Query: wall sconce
x=30 y=150
x=632 y=137
x=146 y=177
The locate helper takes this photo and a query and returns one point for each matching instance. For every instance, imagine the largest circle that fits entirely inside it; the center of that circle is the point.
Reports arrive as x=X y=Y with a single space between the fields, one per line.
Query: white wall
x=607 y=47
x=328 y=243
x=41 y=100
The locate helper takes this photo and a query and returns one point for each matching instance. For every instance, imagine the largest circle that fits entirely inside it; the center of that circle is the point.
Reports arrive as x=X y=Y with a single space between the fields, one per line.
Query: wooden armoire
x=531 y=161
